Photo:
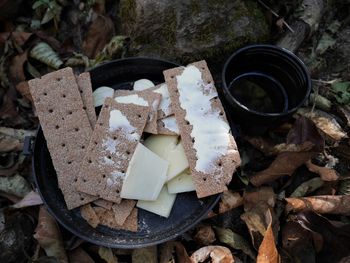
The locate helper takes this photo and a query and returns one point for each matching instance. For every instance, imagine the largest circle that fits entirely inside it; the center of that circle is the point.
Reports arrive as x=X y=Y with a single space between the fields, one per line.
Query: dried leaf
x=49 y=237
x=304 y=134
x=218 y=254
x=235 y=241
x=342 y=92
x=23 y=89
x=107 y=255
x=335 y=238
x=14 y=185
x=320 y=102
x=307 y=187
x=148 y=254
x=45 y=54
x=230 y=200
x=16 y=69
x=167 y=250
x=326 y=42
x=12 y=139
x=323 y=204
x=114 y=48
x=326 y=174
x=8 y=109
x=325 y=122
x=204 y=236
x=99 y=33
x=10 y=163
x=267 y=251
x=345 y=112
x=31 y=199
x=79 y=255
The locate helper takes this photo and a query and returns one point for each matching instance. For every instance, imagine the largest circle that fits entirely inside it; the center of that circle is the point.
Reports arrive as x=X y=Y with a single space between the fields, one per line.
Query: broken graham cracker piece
x=66 y=128
x=168 y=126
x=164 y=109
x=208 y=143
x=117 y=131
x=104 y=203
x=88 y=213
x=107 y=218
x=142 y=98
x=123 y=210
x=85 y=88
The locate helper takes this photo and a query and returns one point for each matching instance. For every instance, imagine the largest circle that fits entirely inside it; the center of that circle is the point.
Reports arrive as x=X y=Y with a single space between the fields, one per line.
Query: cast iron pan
x=188 y=210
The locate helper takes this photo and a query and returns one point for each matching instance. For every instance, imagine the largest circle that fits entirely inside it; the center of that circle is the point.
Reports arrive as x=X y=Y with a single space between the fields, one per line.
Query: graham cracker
x=88 y=213
x=164 y=109
x=123 y=210
x=164 y=129
x=153 y=99
x=66 y=128
x=85 y=89
x=109 y=152
x=104 y=203
x=107 y=218
x=206 y=184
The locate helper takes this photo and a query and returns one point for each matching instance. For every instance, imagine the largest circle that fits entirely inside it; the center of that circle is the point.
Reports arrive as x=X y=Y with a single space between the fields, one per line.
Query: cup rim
x=276 y=48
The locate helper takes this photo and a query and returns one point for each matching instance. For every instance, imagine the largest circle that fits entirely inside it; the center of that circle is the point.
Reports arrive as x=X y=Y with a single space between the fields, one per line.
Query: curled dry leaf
x=325 y=122
x=99 y=33
x=79 y=255
x=31 y=199
x=11 y=165
x=49 y=237
x=16 y=68
x=323 y=204
x=345 y=112
x=304 y=135
x=307 y=187
x=205 y=236
x=267 y=251
x=230 y=200
x=235 y=241
x=218 y=254
x=12 y=139
x=107 y=255
x=147 y=254
x=14 y=185
x=23 y=89
x=326 y=174
x=45 y=54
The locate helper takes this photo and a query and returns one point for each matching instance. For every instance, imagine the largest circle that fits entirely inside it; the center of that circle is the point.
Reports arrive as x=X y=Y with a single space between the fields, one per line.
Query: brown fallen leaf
x=14 y=185
x=107 y=255
x=345 y=112
x=78 y=255
x=147 y=254
x=205 y=235
x=23 y=89
x=307 y=187
x=12 y=139
x=258 y=203
x=230 y=200
x=326 y=174
x=323 y=204
x=217 y=254
x=99 y=33
x=31 y=199
x=267 y=251
x=305 y=135
x=49 y=237
x=325 y=122
x=20 y=38
x=16 y=68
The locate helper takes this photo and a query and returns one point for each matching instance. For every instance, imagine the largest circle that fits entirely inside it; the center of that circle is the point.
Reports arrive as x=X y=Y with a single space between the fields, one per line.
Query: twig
x=276 y=15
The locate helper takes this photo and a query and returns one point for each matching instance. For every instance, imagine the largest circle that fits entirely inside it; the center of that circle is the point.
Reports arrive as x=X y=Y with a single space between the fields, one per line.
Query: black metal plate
x=188 y=210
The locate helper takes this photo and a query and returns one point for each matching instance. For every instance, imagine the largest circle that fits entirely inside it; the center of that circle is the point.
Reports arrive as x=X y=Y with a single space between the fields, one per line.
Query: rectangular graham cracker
x=164 y=109
x=168 y=126
x=104 y=203
x=66 y=128
x=107 y=218
x=123 y=210
x=223 y=167
x=152 y=98
x=85 y=88
x=88 y=213
x=110 y=149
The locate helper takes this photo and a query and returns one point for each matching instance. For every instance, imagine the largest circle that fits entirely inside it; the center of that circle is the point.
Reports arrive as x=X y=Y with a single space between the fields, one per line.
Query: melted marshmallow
x=170 y=124
x=210 y=131
x=165 y=102
x=117 y=121
x=133 y=99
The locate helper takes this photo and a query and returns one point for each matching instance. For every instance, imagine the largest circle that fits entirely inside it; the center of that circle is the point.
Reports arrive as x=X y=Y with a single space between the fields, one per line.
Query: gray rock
x=191 y=29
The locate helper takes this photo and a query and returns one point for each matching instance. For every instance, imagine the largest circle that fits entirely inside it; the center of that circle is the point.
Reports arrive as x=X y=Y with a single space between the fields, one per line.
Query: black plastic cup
x=278 y=75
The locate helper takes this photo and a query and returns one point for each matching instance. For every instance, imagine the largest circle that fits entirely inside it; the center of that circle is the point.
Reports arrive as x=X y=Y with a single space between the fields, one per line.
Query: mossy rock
x=187 y=30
